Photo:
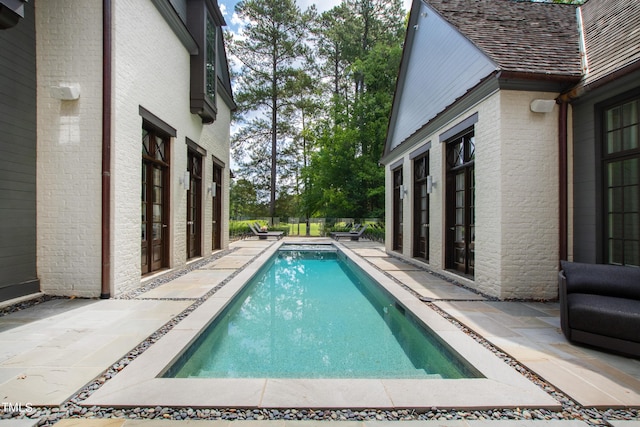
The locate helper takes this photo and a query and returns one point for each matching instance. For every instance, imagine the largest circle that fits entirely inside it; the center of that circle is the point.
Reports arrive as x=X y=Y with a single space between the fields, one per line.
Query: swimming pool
x=142 y=383
x=310 y=313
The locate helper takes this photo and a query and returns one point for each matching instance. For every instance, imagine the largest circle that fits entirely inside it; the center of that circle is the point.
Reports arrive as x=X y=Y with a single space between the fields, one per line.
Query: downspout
x=563 y=181
x=106 y=150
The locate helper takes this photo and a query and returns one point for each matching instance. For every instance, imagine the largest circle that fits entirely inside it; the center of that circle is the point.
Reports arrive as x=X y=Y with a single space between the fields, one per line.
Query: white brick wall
x=516 y=198
x=153 y=71
x=150 y=69
x=69 y=51
x=530 y=197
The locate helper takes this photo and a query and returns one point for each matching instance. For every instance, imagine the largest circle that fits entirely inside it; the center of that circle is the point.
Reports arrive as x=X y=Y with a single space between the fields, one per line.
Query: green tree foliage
x=318 y=93
x=243 y=199
x=344 y=178
x=273 y=45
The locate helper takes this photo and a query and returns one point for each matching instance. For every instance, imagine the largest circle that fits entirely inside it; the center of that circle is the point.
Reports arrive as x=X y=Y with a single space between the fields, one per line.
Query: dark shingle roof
x=519 y=36
x=612 y=36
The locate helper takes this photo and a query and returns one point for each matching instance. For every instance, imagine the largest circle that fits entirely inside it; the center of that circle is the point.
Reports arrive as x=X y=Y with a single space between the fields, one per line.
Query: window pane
x=631 y=202
x=616 y=200
x=471 y=149
x=632 y=253
x=616 y=226
x=157 y=231
x=157 y=213
x=145 y=142
x=632 y=226
x=615 y=252
x=615 y=174
x=211 y=59
x=614 y=141
x=630 y=137
x=630 y=113
x=613 y=118
x=631 y=172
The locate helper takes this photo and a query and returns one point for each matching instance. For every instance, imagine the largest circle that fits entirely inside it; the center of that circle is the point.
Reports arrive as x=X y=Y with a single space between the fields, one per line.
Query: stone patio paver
x=192 y=285
x=229 y=262
x=530 y=333
x=392 y=264
x=62 y=352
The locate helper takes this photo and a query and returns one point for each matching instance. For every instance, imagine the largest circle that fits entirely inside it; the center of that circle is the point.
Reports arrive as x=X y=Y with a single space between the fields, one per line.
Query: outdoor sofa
x=600 y=306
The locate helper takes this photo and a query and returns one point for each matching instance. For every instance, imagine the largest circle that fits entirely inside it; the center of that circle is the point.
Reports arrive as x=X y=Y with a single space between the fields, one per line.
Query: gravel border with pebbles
x=73 y=407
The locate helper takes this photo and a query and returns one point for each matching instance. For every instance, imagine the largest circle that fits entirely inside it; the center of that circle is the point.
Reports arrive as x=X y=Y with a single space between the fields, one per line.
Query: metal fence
x=307 y=227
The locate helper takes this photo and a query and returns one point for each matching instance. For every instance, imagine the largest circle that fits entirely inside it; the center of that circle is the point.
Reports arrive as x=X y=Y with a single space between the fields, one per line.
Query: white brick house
x=133 y=105
x=477 y=156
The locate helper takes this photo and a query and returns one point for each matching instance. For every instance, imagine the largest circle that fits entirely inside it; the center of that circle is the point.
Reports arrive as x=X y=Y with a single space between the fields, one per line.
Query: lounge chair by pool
x=354 y=234
x=265 y=234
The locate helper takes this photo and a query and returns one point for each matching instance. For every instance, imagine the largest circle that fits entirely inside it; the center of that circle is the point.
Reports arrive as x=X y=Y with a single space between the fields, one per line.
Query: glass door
x=216 y=220
x=398 y=195
x=194 y=205
x=421 y=208
x=460 y=241
x=155 y=172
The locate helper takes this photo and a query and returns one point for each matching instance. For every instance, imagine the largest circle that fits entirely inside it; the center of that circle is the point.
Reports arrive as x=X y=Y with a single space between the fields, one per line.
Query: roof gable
x=452 y=46
x=438 y=66
x=520 y=36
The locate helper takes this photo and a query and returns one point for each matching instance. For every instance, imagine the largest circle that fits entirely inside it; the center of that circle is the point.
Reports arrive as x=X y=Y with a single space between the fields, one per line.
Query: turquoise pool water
x=314 y=314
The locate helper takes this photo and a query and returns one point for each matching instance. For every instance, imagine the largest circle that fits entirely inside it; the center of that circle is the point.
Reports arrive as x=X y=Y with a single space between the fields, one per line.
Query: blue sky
x=227 y=8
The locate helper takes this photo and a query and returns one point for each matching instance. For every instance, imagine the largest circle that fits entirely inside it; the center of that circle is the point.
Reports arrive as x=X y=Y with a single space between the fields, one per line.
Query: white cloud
x=322 y=6
x=325 y=5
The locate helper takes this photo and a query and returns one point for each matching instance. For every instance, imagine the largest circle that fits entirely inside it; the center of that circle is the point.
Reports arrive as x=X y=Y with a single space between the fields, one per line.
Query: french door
x=398 y=194
x=421 y=208
x=460 y=209
x=216 y=220
x=155 y=176
x=194 y=205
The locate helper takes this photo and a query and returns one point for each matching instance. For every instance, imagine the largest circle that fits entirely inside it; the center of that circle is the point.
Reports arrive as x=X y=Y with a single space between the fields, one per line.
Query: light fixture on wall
x=185 y=180
x=430 y=184
x=213 y=189
x=403 y=191
x=65 y=92
x=542 y=105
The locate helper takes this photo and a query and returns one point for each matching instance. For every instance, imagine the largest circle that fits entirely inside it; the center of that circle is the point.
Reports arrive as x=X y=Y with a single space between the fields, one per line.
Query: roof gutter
x=582 y=89
x=106 y=150
x=563 y=223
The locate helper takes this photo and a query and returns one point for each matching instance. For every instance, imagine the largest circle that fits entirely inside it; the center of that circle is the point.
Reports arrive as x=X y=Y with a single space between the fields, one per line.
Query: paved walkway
x=50 y=351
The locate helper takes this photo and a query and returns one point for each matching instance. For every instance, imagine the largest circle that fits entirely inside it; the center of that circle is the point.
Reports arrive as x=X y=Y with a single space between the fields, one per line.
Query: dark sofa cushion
x=610 y=316
x=602 y=279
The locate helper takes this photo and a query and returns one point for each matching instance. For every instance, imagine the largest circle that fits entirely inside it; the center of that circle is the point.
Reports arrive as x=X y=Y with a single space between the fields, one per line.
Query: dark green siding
x=18 y=274
x=587 y=177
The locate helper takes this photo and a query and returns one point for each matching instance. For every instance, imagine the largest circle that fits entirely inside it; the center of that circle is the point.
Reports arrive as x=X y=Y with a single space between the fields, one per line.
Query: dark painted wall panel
x=586 y=180
x=18 y=274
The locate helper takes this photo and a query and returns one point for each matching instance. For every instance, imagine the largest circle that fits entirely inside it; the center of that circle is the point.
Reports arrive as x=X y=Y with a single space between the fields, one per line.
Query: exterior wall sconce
x=212 y=189
x=430 y=184
x=66 y=92
x=403 y=191
x=542 y=105
x=185 y=180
